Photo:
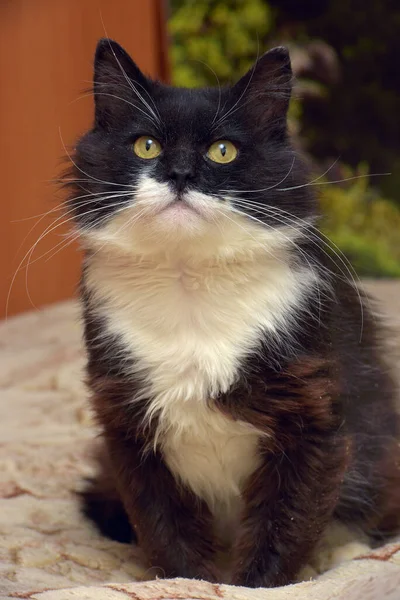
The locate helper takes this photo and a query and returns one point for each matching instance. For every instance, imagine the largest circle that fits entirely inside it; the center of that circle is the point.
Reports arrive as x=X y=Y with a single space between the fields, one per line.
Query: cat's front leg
x=289 y=502
x=172 y=526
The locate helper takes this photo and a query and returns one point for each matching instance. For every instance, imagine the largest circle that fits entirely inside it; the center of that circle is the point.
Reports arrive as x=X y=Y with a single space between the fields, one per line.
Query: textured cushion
x=47 y=549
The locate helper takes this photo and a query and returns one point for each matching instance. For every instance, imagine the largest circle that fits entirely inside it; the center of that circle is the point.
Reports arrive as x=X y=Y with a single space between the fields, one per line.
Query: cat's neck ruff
x=233 y=269
x=189 y=325
x=189 y=310
x=233 y=296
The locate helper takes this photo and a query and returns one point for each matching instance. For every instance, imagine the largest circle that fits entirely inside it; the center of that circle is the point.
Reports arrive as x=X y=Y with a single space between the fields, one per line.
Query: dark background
x=345 y=54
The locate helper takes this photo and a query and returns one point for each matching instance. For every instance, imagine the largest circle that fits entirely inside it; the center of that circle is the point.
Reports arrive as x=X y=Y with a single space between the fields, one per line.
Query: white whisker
x=271 y=187
x=80 y=170
x=249 y=234
x=67 y=181
x=297 y=187
x=60 y=206
x=317 y=239
x=132 y=86
x=129 y=223
x=128 y=87
x=57 y=209
x=231 y=110
x=291 y=241
x=44 y=234
x=219 y=89
x=49 y=229
x=135 y=106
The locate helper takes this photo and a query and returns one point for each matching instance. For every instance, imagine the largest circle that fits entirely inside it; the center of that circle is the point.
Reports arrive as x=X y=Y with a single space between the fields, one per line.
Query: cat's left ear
x=265 y=90
x=118 y=83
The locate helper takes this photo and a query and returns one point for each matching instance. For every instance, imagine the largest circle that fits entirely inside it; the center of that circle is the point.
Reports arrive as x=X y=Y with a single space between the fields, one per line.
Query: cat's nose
x=181 y=176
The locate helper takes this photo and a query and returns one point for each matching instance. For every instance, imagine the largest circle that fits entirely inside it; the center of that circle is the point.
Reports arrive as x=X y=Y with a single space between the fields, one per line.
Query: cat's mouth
x=159 y=205
x=181 y=214
x=180 y=206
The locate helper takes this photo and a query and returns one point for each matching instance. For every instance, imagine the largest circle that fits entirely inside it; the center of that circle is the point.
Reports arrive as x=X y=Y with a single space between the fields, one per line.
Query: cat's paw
x=258 y=574
x=203 y=572
x=107 y=513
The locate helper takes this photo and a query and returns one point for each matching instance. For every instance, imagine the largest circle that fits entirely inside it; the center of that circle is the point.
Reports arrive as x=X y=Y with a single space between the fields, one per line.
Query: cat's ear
x=118 y=82
x=265 y=90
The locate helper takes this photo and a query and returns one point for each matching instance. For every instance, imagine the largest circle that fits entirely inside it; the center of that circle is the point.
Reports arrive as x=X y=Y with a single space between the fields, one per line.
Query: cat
x=235 y=369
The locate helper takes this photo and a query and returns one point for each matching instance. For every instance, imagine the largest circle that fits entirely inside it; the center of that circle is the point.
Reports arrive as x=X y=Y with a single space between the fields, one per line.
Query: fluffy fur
x=190 y=322
x=232 y=364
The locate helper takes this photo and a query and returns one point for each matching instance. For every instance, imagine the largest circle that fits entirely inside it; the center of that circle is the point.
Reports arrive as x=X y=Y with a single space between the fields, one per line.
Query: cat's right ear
x=118 y=81
x=265 y=90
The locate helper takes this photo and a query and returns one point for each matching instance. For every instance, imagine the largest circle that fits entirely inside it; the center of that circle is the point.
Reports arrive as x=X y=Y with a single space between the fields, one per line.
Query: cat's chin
x=160 y=208
x=181 y=218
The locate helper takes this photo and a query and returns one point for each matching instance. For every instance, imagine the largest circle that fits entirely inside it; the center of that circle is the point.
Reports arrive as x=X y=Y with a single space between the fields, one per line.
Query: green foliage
x=361 y=120
x=216 y=41
x=365 y=228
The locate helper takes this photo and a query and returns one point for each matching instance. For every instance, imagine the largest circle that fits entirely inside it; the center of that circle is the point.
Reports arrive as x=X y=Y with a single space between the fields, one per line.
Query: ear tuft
x=111 y=53
x=266 y=88
x=116 y=77
x=280 y=54
x=274 y=66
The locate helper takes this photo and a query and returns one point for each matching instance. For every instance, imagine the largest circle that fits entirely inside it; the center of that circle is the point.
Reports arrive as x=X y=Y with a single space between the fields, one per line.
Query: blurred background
x=345 y=113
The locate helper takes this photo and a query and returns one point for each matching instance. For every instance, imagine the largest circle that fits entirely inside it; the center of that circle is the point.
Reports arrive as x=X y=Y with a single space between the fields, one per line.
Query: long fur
x=190 y=324
x=235 y=369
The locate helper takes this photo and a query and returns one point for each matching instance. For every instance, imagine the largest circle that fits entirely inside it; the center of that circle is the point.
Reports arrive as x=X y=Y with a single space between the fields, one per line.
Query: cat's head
x=210 y=169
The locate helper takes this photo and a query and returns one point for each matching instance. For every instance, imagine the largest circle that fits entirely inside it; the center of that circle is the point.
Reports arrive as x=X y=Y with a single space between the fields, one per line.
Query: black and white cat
x=234 y=368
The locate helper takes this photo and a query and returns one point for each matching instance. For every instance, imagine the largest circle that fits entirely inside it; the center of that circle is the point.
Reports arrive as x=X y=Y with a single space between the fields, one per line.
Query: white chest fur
x=189 y=329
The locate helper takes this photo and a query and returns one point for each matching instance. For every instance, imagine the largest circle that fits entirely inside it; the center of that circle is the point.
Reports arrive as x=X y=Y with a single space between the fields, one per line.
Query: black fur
x=321 y=391
x=186 y=122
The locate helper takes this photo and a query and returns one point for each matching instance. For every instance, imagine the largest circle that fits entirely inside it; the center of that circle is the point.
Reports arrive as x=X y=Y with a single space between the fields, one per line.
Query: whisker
x=67 y=181
x=296 y=187
x=55 y=209
x=129 y=222
x=99 y=197
x=327 y=170
x=47 y=232
x=49 y=229
x=313 y=182
x=52 y=227
x=275 y=258
x=219 y=88
x=286 y=222
x=283 y=235
x=300 y=250
x=135 y=106
x=318 y=239
x=271 y=187
x=128 y=87
x=307 y=223
x=80 y=170
x=59 y=206
x=248 y=233
x=130 y=83
x=70 y=240
x=150 y=98
x=230 y=111
x=78 y=233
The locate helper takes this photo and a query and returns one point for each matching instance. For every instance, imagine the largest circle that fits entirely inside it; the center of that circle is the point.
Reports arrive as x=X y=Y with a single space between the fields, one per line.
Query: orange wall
x=46 y=53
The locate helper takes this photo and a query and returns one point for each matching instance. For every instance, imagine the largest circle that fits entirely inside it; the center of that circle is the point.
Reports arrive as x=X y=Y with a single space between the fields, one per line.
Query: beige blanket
x=49 y=552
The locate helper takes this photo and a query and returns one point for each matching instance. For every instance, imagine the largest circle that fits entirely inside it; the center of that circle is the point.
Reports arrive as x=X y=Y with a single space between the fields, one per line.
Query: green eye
x=147 y=147
x=222 y=152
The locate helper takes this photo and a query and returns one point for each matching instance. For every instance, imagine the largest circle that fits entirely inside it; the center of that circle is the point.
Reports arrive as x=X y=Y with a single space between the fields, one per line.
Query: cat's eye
x=147 y=147
x=222 y=152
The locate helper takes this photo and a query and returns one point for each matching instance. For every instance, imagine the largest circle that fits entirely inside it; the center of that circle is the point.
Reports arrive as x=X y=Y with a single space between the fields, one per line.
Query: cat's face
x=166 y=165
